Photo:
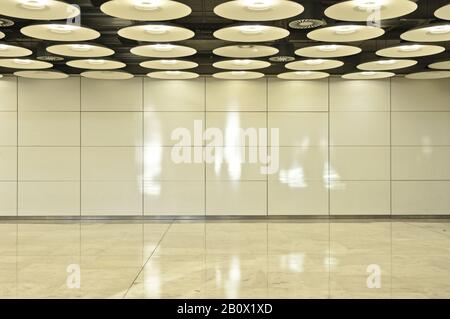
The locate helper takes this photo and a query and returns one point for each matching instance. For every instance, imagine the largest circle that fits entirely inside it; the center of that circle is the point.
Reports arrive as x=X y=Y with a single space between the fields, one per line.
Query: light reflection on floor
x=226 y=259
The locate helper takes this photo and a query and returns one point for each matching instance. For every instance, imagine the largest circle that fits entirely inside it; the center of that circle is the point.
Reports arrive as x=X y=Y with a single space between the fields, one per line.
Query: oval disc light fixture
x=156 y=33
x=328 y=51
x=383 y=65
x=245 y=51
x=432 y=33
x=251 y=33
x=80 y=50
x=146 y=10
x=368 y=75
x=107 y=75
x=314 y=65
x=303 y=75
x=238 y=75
x=410 y=51
x=42 y=75
x=173 y=75
x=60 y=32
x=258 y=10
x=168 y=64
x=443 y=12
x=444 y=65
x=345 y=33
x=370 y=10
x=428 y=75
x=96 y=64
x=9 y=51
x=38 y=9
x=163 y=50
x=242 y=64
x=24 y=64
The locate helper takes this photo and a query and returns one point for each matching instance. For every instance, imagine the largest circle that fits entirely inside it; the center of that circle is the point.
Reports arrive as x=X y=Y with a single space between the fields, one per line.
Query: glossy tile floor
x=408 y=258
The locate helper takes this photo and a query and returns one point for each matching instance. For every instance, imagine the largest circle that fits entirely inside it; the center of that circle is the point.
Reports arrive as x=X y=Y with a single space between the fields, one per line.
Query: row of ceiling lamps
x=257 y=33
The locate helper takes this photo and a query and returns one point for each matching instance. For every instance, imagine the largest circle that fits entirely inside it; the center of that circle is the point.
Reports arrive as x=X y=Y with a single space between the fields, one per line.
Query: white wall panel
x=185 y=95
x=60 y=95
x=297 y=95
x=335 y=155
x=107 y=95
x=230 y=95
x=8 y=92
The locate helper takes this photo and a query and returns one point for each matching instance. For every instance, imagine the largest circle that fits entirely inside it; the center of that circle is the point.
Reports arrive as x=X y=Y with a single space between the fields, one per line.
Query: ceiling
x=203 y=21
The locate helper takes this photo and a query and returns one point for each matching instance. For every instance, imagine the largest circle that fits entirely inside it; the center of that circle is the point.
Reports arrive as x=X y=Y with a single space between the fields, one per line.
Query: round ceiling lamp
x=60 y=32
x=42 y=75
x=444 y=65
x=80 y=50
x=432 y=33
x=24 y=64
x=238 y=75
x=168 y=64
x=96 y=64
x=428 y=75
x=328 y=51
x=410 y=51
x=258 y=10
x=383 y=65
x=251 y=33
x=443 y=12
x=173 y=75
x=369 y=75
x=107 y=75
x=314 y=65
x=146 y=10
x=9 y=51
x=370 y=10
x=345 y=33
x=156 y=33
x=38 y=9
x=243 y=64
x=303 y=75
x=245 y=51
x=163 y=50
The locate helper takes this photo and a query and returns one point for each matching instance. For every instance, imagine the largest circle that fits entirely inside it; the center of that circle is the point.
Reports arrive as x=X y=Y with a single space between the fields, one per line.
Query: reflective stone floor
x=407 y=258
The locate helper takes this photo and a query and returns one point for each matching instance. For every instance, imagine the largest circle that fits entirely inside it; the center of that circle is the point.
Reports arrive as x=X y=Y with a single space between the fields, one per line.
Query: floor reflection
x=226 y=259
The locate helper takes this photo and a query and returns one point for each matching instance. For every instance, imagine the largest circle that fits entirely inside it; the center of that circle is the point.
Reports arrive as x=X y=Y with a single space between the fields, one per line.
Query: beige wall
x=79 y=146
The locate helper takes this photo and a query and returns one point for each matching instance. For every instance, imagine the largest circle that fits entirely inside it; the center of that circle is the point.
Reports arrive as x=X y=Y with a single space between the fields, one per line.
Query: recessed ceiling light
x=241 y=62
x=22 y=61
x=368 y=75
x=239 y=73
x=34 y=4
x=258 y=5
x=328 y=48
x=80 y=47
x=439 y=29
x=170 y=62
x=62 y=28
x=157 y=29
x=172 y=72
x=96 y=62
x=251 y=29
x=314 y=62
x=346 y=29
x=410 y=48
x=162 y=47
x=258 y=10
x=147 y=5
x=386 y=62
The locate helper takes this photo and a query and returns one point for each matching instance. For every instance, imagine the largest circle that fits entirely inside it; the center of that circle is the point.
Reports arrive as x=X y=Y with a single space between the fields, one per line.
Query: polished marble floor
x=408 y=258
